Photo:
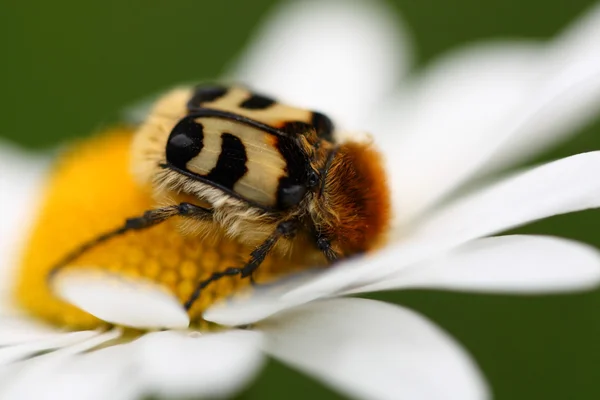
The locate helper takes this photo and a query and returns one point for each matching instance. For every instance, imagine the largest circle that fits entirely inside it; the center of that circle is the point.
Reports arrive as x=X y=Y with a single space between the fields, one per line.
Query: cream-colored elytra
x=232 y=216
x=248 y=211
x=275 y=115
x=265 y=164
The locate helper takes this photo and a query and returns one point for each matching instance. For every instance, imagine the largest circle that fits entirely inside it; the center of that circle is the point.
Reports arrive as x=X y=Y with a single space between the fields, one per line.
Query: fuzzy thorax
x=355 y=203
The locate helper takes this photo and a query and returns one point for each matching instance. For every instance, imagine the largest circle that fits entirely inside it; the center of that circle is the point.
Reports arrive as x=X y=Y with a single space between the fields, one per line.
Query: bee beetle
x=233 y=162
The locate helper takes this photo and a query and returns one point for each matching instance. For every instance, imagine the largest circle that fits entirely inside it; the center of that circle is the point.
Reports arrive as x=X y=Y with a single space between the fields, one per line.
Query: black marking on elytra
x=185 y=142
x=257 y=102
x=293 y=187
x=323 y=125
x=287 y=144
x=201 y=178
x=205 y=94
x=214 y=113
x=231 y=165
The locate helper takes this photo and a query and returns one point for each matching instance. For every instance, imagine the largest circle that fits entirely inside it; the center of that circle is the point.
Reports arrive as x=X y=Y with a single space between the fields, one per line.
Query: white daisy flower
x=478 y=110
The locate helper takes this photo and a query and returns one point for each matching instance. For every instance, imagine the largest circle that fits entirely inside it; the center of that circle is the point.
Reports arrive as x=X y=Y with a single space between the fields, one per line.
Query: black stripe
x=231 y=165
x=323 y=125
x=293 y=187
x=205 y=94
x=201 y=178
x=214 y=113
x=185 y=142
x=257 y=102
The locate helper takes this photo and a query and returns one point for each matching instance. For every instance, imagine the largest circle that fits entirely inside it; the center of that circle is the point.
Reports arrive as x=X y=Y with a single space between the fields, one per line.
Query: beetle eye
x=313 y=179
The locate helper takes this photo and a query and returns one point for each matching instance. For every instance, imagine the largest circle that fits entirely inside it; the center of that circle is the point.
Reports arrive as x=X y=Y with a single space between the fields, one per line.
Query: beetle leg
x=286 y=229
x=325 y=246
x=147 y=220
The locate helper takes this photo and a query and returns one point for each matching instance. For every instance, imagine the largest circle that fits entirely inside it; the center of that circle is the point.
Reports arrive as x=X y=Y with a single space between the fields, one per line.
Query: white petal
x=567 y=185
x=367 y=349
x=89 y=344
x=14 y=353
x=564 y=186
x=568 y=97
x=338 y=57
x=246 y=308
x=108 y=373
x=120 y=300
x=21 y=182
x=505 y=264
x=445 y=124
x=15 y=330
x=175 y=364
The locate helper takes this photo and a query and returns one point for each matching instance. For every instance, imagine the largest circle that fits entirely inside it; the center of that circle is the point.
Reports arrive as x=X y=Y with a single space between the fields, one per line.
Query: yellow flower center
x=91 y=192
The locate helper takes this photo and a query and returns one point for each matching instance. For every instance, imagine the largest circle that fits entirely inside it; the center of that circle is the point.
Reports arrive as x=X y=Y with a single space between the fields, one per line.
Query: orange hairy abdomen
x=358 y=197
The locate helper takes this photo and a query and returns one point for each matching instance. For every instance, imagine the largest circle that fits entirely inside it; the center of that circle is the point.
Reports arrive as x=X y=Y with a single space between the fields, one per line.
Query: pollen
x=91 y=191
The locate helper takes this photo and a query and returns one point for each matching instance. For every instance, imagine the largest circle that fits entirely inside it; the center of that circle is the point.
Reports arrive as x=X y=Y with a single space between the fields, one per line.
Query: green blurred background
x=69 y=67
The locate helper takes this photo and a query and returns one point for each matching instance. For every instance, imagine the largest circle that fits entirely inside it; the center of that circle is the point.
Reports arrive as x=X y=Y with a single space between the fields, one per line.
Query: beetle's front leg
x=285 y=229
x=145 y=221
